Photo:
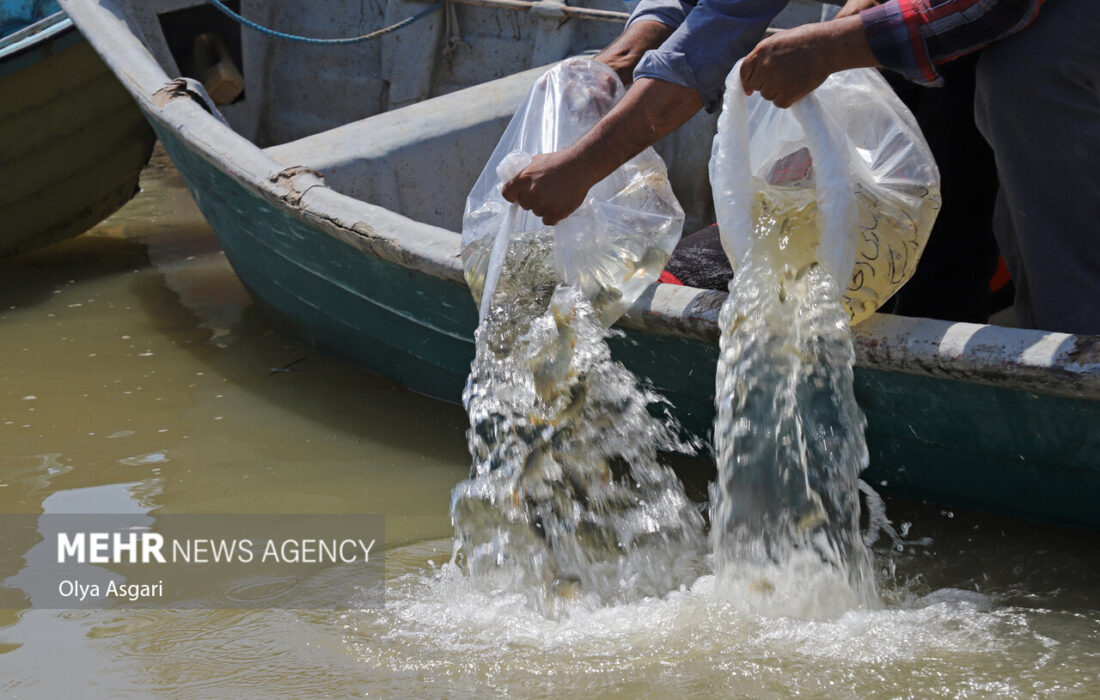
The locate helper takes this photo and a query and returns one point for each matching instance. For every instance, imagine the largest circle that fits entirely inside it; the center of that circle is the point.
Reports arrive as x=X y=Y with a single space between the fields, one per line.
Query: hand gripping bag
x=617 y=242
x=847 y=163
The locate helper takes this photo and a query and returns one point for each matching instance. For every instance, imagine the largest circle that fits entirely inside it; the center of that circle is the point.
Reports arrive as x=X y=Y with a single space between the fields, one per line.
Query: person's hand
x=854 y=7
x=789 y=65
x=786 y=66
x=551 y=187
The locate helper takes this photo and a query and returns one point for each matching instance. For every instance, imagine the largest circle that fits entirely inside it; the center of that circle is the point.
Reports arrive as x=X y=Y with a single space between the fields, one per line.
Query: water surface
x=137 y=377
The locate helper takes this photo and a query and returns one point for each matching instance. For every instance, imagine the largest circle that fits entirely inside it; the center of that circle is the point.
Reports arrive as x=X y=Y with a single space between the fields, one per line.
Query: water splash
x=567 y=494
x=789 y=434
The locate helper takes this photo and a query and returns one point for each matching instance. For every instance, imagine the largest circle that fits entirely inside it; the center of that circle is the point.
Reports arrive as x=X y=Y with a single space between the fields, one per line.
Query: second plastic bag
x=620 y=238
x=845 y=171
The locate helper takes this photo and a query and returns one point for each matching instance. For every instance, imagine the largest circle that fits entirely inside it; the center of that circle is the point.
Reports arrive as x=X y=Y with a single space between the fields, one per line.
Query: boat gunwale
x=34 y=35
x=1034 y=361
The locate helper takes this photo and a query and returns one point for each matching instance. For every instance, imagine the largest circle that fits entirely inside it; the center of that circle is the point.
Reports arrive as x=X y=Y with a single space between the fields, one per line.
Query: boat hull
x=72 y=142
x=959 y=443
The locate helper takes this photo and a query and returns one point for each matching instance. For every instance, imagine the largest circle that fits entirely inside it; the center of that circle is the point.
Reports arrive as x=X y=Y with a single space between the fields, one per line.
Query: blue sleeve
x=670 y=13
x=703 y=49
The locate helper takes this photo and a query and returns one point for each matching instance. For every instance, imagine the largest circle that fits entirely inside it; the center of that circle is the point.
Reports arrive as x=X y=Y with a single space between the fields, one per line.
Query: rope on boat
x=221 y=7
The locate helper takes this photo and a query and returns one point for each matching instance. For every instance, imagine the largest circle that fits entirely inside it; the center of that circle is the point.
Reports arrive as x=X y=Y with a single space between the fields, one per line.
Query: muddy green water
x=137 y=377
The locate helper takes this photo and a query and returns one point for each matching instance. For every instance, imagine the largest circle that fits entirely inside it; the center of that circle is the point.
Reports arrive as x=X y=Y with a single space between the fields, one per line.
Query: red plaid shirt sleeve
x=913 y=36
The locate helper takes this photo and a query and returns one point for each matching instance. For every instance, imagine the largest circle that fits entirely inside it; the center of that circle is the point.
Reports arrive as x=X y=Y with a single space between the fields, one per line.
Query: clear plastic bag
x=617 y=242
x=847 y=165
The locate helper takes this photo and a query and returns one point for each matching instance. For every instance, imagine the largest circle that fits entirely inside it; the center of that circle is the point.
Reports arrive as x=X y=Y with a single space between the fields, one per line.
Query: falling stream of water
x=567 y=496
x=789 y=435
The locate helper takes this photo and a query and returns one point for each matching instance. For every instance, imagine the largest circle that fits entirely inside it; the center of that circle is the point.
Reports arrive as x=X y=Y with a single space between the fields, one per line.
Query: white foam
x=437 y=620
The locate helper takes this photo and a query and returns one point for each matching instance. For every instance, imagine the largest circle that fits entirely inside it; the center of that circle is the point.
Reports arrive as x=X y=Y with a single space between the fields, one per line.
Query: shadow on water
x=318 y=387
x=182 y=282
x=32 y=277
x=1016 y=562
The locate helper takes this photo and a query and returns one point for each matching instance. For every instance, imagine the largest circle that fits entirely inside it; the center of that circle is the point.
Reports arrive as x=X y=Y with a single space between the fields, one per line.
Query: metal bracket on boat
x=296 y=181
x=187 y=87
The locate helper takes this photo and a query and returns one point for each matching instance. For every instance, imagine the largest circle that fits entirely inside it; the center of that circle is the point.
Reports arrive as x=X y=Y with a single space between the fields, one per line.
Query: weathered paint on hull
x=947 y=441
x=72 y=143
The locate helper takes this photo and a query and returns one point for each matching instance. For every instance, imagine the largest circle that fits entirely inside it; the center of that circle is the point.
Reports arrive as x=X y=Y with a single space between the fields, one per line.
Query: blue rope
x=310 y=40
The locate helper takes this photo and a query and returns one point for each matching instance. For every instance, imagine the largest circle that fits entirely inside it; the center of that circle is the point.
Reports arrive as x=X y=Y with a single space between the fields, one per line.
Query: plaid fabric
x=912 y=36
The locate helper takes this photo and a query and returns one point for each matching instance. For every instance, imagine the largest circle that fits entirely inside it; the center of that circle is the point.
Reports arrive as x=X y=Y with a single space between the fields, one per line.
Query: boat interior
x=405 y=121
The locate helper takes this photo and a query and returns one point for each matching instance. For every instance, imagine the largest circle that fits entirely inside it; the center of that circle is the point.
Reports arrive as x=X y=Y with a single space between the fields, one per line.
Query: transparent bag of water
x=618 y=240
x=847 y=171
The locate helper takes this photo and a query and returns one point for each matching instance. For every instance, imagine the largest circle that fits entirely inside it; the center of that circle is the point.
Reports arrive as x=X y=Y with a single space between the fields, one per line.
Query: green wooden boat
x=72 y=142
x=336 y=186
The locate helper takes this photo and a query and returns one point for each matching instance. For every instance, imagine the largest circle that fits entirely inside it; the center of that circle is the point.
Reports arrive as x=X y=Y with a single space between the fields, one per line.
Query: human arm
x=671 y=84
x=909 y=39
x=555 y=184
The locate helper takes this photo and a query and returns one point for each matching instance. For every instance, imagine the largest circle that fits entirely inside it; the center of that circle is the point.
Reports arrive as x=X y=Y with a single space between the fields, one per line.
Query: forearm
x=839 y=45
x=847 y=45
x=650 y=110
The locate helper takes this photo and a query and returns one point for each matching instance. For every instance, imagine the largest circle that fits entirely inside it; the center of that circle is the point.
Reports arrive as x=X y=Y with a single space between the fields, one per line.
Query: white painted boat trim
x=42 y=30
